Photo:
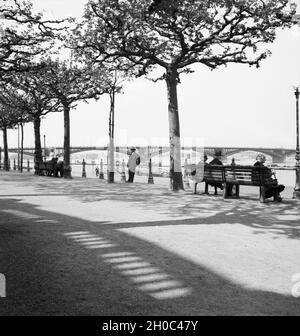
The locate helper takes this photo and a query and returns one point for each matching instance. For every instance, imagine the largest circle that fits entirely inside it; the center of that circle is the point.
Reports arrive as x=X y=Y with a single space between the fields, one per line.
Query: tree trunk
x=111 y=176
x=5 y=150
x=176 y=182
x=22 y=147
x=67 y=166
x=38 y=157
x=18 y=146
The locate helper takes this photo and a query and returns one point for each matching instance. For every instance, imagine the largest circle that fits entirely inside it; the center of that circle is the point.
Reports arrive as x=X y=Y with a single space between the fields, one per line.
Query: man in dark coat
x=216 y=162
x=275 y=189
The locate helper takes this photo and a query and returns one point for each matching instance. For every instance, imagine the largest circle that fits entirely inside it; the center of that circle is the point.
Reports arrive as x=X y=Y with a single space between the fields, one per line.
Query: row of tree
x=123 y=38
x=39 y=75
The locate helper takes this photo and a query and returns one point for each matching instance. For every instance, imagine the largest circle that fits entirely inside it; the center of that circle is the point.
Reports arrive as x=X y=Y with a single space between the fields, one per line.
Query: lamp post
x=111 y=174
x=296 y=193
x=44 y=147
x=150 y=177
x=18 y=147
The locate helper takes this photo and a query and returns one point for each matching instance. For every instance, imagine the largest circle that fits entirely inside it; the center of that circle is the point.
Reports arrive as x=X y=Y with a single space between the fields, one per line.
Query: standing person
x=231 y=189
x=216 y=162
x=133 y=161
x=275 y=189
x=205 y=164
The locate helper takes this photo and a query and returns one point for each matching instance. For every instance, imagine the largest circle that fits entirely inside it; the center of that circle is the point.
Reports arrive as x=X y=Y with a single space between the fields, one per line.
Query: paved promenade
x=86 y=247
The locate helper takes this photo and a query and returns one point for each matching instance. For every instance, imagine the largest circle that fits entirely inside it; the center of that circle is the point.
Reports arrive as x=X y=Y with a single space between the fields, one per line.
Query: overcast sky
x=233 y=106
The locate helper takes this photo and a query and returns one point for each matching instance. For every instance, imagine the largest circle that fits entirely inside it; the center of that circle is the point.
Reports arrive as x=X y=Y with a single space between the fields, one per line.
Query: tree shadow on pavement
x=278 y=218
x=63 y=265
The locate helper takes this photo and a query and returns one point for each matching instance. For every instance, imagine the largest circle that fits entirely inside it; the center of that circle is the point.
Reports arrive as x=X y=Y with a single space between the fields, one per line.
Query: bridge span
x=277 y=155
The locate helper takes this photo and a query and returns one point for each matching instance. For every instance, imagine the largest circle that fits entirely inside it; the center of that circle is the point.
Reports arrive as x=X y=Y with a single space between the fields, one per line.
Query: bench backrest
x=45 y=165
x=213 y=173
x=247 y=175
x=49 y=165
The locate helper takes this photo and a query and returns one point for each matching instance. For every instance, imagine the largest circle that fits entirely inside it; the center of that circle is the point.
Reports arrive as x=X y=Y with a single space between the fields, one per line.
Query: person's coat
x=132 y=161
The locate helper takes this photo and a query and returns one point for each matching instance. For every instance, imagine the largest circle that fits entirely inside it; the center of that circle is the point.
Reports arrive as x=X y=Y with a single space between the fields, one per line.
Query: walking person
x=133 y=162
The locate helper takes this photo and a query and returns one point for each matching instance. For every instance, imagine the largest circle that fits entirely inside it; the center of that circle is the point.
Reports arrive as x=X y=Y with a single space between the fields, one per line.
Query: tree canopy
x=24 y=35
x=180 y=33
x=174 y=35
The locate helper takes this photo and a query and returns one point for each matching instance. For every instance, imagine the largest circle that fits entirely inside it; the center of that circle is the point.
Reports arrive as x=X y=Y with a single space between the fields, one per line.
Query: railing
x=282 y=167
x=13 y=165
x=143 y=169
x=285 y=174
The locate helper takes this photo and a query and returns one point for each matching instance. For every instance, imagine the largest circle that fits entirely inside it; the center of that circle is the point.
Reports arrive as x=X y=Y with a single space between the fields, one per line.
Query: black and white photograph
x=149 y=161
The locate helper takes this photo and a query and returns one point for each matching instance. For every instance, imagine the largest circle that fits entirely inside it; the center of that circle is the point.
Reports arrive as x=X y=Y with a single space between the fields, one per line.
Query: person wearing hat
x=205 y=164
x=275 y=189
x=217 y=158
x=216 y=162
x=132 y=163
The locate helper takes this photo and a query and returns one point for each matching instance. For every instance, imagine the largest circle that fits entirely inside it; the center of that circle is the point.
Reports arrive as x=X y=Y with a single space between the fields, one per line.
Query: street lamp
x=296 y=193
x=44 y=147
x=18 y=147
x=150 y=177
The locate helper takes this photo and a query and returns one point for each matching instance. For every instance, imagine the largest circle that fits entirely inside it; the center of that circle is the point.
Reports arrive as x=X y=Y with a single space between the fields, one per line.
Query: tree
x=71 y=83
x=27 y=95
x=174 y=35
x=24 y=35
x=8 y=119
x=116 y=73
x=113 y=87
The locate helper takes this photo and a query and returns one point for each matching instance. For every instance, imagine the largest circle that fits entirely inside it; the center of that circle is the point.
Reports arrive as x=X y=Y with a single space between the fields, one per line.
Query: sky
x=233 y=106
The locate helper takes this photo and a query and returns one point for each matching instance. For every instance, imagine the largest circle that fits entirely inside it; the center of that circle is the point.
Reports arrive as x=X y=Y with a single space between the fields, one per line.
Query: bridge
x=278 y=155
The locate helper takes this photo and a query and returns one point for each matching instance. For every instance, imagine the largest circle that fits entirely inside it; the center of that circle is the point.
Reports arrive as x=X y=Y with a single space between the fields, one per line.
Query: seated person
x=193 y=173
x=196 y=171
x=216 y=161
x=275 y=189
x=58 y=167
x=229 y=190
x=205 y=164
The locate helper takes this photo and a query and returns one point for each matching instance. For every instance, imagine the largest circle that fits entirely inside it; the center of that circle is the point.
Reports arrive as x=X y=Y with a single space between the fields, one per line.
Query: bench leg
x=206 y=188
x=225 y=190
x=216 y=190
x=195 y=192
x=237 y=190
x=262 y=192
x=276 y=195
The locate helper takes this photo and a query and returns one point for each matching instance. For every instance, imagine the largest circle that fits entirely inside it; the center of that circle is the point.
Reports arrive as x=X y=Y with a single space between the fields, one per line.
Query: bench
x=229 y=176
x=49 y=168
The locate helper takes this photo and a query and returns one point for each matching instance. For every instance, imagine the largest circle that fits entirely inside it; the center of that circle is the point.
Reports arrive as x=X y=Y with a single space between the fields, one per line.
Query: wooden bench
x=228 y=176
x=49 y=168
